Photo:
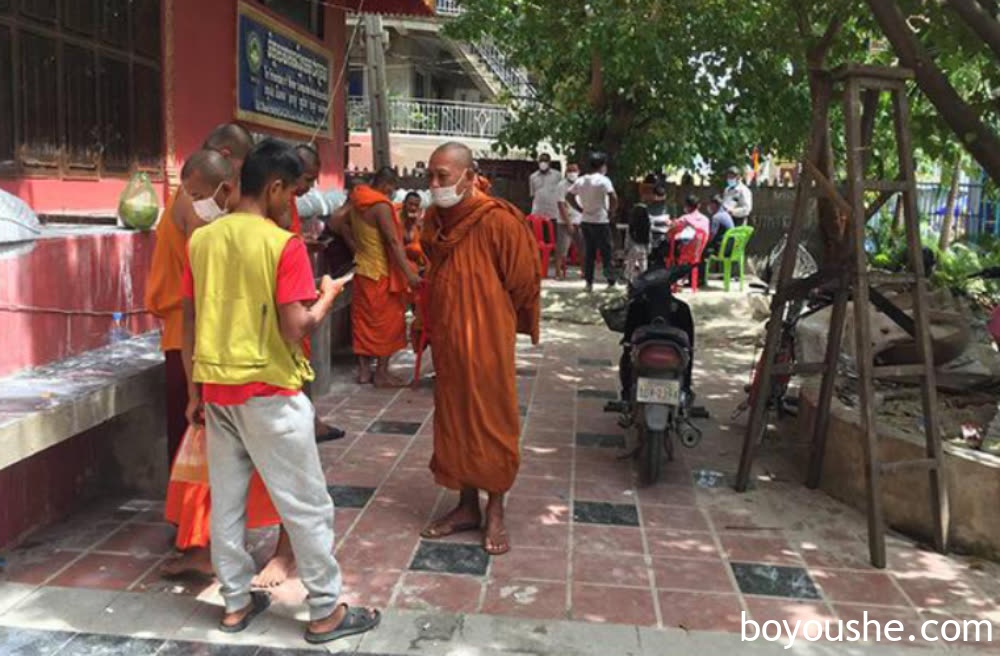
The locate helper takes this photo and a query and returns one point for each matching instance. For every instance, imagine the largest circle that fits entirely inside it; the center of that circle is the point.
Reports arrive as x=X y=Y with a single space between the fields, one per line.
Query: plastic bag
x=138 y=206
x=191 y=462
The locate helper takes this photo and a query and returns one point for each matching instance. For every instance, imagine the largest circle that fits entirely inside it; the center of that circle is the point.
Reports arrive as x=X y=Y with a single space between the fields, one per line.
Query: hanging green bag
x=138 y=206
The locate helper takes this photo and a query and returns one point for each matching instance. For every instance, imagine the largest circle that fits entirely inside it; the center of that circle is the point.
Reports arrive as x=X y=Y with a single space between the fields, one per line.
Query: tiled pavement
x=588 y=545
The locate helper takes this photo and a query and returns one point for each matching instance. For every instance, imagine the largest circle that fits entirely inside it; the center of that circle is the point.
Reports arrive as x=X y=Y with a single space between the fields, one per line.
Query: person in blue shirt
x=721 y=223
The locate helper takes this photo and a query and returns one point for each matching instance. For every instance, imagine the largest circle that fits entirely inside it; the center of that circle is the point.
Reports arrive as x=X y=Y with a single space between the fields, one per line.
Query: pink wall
x=41 y=290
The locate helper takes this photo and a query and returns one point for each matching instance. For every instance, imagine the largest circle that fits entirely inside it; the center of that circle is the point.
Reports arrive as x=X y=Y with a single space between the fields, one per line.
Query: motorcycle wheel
x=651 y=462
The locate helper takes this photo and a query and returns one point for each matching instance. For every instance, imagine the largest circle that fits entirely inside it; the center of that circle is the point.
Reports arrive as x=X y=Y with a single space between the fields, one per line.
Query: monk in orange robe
x=413 y=224
x=208 y=188
x=483 y=184
x=383 y=278
x=485 y=284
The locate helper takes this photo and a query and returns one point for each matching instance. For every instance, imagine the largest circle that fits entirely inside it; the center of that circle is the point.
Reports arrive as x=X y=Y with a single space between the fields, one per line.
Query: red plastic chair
x=545 y=235
x=422 y=337
x=690 y=254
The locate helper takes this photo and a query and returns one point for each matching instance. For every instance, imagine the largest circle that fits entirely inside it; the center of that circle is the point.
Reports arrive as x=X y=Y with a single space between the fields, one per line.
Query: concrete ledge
x=45 y=406
x=973 y=479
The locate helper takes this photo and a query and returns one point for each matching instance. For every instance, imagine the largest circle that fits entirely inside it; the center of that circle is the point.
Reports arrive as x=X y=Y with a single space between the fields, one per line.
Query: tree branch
x=979 y=20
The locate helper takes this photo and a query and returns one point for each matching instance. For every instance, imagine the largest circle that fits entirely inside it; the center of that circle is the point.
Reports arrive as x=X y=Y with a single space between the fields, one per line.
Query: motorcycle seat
x=655 y=332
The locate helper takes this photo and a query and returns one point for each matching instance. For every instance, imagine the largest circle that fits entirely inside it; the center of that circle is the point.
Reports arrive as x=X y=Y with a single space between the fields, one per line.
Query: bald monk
x=311 y=166
x=163 y=288
x=485 y=282
x=382 y=282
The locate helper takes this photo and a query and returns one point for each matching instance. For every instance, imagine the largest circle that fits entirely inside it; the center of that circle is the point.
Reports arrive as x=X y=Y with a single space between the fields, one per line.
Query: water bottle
x=118 y=332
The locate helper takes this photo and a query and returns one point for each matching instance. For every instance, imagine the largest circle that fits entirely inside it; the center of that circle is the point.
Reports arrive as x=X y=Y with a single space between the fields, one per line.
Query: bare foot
x=385 y=380
x=196 y=561
x=460 y=520
x=495 y=540
x=365 y=377
x=275 y=572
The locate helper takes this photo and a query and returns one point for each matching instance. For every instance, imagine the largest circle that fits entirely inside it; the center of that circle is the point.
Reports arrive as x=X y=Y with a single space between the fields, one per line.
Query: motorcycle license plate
x=652 y=390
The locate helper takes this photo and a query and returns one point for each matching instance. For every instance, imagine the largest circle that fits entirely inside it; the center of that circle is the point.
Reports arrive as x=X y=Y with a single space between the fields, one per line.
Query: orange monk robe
x=163 y=287
x=189 y=507
x=381 y=291
x=485 y=285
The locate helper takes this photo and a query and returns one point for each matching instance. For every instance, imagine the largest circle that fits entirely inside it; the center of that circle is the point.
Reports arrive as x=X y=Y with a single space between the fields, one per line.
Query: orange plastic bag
x=191 y=462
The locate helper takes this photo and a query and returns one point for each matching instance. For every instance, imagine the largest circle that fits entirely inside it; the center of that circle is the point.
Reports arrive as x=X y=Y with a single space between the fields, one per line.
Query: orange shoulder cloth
x=445 y=229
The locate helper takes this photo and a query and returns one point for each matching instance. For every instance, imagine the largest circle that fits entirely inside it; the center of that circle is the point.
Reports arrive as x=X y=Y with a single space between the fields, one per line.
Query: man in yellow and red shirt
x=249 y=302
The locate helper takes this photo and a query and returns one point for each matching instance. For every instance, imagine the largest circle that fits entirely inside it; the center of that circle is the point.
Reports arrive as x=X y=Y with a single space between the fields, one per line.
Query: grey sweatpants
x=277 y=436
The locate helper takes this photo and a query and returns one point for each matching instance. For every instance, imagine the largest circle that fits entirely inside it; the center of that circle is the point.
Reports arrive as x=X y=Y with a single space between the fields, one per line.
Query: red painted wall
x=203 y=87
x=43 y=292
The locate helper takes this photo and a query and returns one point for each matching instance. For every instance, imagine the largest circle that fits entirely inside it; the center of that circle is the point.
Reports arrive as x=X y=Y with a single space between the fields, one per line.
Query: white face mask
x=572 y=177
x=207 y=209
x=446 y=197
x=543 y=166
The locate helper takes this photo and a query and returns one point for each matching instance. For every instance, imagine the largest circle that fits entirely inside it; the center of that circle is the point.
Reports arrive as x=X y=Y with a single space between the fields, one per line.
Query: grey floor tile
x=774 y=581
x=93 y=644
x=450 y=558
x=31 y=642
x=610 y=514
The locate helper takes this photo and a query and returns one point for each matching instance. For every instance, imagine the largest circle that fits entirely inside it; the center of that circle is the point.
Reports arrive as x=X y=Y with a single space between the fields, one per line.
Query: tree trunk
x=975 y=136
x=948 y=220
x=979 y=20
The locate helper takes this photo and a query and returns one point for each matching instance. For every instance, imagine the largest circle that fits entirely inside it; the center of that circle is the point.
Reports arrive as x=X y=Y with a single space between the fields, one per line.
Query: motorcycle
x=655 y=368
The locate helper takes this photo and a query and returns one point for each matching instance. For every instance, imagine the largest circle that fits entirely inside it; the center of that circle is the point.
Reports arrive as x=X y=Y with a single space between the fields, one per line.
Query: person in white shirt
x=737 y=199
x=568 y=232
x=545 y=184
x=594 y=197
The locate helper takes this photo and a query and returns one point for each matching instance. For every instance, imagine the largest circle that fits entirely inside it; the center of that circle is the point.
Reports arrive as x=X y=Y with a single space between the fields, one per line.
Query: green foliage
x=657 y=83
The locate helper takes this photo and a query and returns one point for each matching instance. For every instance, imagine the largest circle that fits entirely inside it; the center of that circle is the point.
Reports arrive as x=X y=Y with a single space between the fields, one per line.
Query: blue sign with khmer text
x=283 y=78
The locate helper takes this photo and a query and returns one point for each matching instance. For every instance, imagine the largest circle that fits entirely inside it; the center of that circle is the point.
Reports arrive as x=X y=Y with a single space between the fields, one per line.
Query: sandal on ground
x=441 y=530
x=259 y=602
x=356 y=621
x=498 y=549
x=330 y=434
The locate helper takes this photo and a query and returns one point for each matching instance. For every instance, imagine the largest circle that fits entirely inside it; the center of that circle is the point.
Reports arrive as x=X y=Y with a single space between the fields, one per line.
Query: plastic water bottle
x=118 y=332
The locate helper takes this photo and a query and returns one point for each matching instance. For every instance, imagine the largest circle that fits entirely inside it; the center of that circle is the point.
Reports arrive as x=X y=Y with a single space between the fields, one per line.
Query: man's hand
x=330 y=288
x=414 y=279
x=195 y=412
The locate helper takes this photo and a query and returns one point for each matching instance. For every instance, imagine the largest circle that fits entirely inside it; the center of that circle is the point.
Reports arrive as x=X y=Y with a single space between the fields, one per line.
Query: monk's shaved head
x=210 y=165
x=230 y=139
x=457 y=154
x=308 y=154
x=451 y=174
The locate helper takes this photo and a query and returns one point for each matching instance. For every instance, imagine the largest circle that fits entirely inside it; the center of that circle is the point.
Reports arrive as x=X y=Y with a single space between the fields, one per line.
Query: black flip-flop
x=259 y=602
x=332 y=433
x=356 y=621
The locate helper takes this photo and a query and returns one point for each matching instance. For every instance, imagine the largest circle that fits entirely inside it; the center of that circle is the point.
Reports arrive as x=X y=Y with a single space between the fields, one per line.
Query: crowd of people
x=232 y=283
x=583 y=209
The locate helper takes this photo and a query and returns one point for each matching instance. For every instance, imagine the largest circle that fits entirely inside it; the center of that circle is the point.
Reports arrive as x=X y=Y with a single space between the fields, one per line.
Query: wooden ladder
x=861 y=86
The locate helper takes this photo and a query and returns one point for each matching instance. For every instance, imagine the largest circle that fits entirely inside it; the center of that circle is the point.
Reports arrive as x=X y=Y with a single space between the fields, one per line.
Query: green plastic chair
x=735 y=243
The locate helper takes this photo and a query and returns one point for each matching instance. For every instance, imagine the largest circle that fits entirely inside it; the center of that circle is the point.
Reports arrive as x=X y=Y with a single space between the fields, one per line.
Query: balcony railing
x=437 y=117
